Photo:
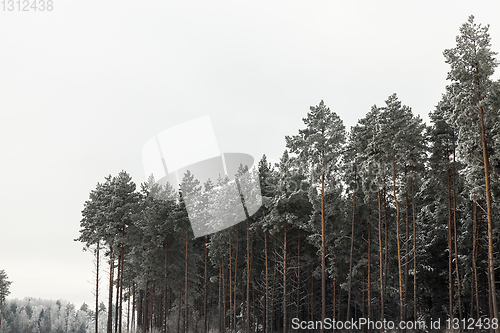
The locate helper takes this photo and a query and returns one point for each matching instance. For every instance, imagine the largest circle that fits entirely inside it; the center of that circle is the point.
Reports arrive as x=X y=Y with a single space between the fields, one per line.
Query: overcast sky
x=85 y=86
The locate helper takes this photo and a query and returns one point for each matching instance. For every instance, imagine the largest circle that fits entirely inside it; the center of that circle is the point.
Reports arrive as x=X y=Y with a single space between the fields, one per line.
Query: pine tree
x=472 y=63
x=190 y=188
x=320 y=145
x=93 y=227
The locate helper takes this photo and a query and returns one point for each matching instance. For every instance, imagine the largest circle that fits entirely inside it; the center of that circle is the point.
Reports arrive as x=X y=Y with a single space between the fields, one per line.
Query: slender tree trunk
x=450 y=249
x=248 y=261
x=110 y=297
x=369 y=264
x=165 y=295
x=273 y=320
x=186 y=321
x=380 y=255
x=205 y=280
x=253 y=294
x=118 y=275
x=401 y=310
x=352 y=240
x=223 y=302
x=363 y=295
x=248 y=274
x=298 y=274
x=236 y=273
x=311 y=315
x=230 y=287
x=285 y=248
x=150 y=304
x=266 y=307
x=386 y=247
x=284 y=275
x=140 y=308
x=145 y=311
x=474 y=257
x=128 y=308
x=457 y=272
x=323 y=251
x=490 y=301
x=334 y=302
x=415 y=303
x=96 y=291
x=407 y=235
x=220 y=297
x=491 y=268
x=486 y=287
x=120 y=308
x=133 y=307
x=340 y=289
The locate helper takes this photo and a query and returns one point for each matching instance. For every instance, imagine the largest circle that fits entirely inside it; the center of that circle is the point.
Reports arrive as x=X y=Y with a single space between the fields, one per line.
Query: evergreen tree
x=319 y=146
x=472 y=63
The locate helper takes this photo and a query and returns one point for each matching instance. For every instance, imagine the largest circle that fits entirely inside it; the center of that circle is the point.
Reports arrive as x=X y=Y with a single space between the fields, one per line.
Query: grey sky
x=83 y=87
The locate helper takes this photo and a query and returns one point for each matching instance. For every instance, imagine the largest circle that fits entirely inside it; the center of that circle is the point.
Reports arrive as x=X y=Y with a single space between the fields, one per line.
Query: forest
x=394 y=219
x=45 y=316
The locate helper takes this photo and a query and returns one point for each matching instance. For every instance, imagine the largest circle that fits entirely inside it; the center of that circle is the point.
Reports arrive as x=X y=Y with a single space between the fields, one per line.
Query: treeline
x=32 y=315
x=393 y=220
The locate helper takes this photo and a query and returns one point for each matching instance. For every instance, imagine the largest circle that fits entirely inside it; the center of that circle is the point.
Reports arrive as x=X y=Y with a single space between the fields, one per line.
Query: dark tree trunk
x=450 y=249
x=230 y=281
x=236 y=274
x=491 y=268
x=186 y=321
x=352 y=241
x=386 y=242
x=323 y=251
x=133 y=307
x=369 y=264
x=220 y=297
x=340 y=289
x=248 y=274
x=415 y=304
x=401 y=309
x=266 y=307
x=118 y=290
x=298 y=274
x=110 y=297
x=380 y=255
x=165 y=295
x=205 y=280
x=475 y=235
x=457 y=272
x=120 y=307
x=285 y=305
x=128 y=307
x=96 y=291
